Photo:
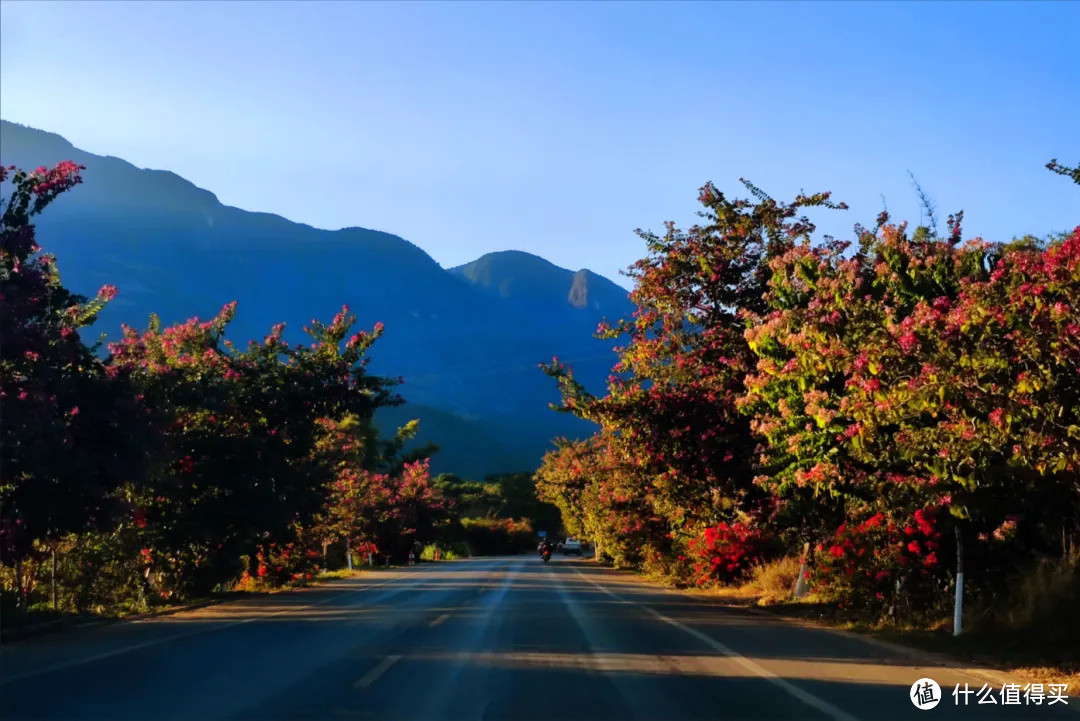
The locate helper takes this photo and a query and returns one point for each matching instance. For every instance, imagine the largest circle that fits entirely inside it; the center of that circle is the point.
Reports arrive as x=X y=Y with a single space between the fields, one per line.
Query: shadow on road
x=483 y=639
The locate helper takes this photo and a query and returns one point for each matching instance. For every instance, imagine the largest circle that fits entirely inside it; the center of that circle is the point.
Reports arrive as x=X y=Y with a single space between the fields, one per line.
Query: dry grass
x=774 y=582
x=340 y=573
x=769 y=584
x=1043 y=597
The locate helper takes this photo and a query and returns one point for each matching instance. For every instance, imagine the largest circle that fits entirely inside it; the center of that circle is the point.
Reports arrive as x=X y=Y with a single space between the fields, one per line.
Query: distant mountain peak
x=466 y=340
x=520 y=275
x=579 y=289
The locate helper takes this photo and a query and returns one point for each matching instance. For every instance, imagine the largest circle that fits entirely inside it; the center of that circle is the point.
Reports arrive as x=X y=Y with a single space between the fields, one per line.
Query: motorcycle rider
x=545 y=547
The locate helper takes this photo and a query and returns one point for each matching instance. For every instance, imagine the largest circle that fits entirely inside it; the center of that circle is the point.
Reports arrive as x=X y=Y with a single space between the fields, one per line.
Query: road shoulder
x=991 y=670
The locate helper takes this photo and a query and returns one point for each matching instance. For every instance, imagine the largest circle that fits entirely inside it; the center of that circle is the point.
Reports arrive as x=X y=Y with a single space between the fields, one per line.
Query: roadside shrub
x=292 y=564
x=775 y=580
x=659 y=561
x=447 y=551
x=878 y=564
x=726 y=552
x=104 y=571
x=95 y=572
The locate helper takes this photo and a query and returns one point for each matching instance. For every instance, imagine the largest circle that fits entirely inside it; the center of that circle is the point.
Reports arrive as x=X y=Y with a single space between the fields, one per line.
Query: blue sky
x=559 y=128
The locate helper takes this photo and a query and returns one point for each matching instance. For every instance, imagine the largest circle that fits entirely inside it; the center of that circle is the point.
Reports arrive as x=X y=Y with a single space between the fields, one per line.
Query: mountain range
x=467 y=340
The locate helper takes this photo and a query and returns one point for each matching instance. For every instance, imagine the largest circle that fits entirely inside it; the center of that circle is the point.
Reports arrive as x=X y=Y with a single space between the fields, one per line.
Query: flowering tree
x=602 y=498
x=877 y=402
x=919 y=373
x=69 y=435
x=981 y=396
x=240 y=431
x=832 y=325
x=379 y=496
x=670 y=411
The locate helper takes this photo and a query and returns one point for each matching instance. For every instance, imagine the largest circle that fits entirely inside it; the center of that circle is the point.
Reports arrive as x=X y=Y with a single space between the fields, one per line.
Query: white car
x=571 y=546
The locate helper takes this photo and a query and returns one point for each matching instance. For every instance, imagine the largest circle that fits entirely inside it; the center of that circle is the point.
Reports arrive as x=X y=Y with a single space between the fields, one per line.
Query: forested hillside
x=468 y=355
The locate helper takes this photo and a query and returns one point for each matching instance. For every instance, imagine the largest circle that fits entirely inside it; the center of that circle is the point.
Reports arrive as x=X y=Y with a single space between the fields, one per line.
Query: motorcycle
x=546 y=555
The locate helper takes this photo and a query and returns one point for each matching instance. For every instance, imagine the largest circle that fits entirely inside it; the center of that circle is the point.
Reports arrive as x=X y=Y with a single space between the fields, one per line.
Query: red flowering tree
x=602 y=498
x=364 y=507
x=69 y=435
x=832 y=325
x=915 y=374
x=418 y=504
x=240 y=430
x=357 y=499
x=670 y=410
x=981 y=398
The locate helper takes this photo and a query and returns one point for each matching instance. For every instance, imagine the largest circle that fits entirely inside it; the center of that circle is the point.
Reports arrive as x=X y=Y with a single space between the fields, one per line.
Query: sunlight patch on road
x=699 y=665
x=380 y=668
x=809 y=699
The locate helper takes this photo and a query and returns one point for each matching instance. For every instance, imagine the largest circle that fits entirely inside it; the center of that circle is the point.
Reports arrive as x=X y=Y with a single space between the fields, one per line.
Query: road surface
x=479 y=640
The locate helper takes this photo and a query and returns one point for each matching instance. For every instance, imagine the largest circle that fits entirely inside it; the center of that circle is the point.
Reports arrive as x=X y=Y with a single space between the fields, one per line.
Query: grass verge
x=1028 y=647
x=43 y=619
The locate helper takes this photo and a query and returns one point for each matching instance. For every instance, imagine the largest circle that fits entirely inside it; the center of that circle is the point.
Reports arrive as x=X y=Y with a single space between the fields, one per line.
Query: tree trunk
x=52 y=579
x=20 y=597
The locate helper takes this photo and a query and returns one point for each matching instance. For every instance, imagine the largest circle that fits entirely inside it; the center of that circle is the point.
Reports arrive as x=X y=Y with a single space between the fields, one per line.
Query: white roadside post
x=958 y=608
x=801 y=586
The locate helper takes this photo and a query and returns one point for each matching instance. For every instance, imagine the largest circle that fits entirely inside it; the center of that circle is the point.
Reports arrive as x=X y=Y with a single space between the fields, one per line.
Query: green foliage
x=70 y=435
x=180 y=464
x=1073 y=172
x=498 y=536
x=447 y=551
x=506 y=495
x=879 y=401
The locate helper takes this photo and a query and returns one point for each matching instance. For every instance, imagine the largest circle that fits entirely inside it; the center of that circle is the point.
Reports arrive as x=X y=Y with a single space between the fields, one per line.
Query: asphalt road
x=479 y=640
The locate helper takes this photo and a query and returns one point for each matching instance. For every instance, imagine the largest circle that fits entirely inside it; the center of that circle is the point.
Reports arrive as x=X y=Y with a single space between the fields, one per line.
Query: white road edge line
x=373 y=675
x=177 y=636
x=806 y=697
